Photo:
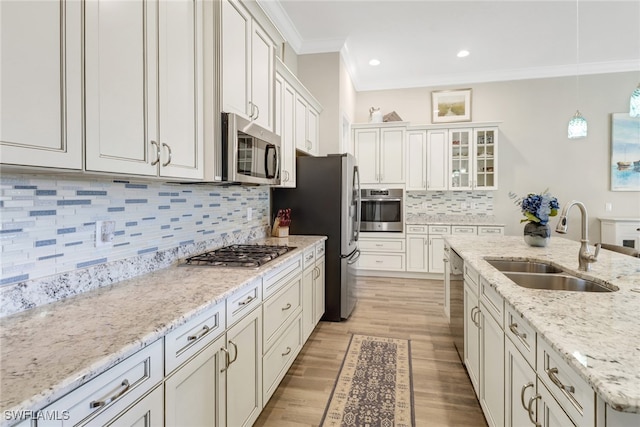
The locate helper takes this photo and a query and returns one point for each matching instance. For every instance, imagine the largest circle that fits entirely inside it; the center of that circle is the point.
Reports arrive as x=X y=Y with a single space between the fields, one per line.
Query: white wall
x=535 y=153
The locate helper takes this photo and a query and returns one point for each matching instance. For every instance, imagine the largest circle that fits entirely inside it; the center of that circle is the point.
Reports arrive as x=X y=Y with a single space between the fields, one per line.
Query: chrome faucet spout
x=585 y=257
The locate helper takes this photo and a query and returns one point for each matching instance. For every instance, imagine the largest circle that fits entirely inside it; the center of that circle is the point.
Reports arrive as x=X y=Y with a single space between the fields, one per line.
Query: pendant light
x=577 y=125
x=634 y=103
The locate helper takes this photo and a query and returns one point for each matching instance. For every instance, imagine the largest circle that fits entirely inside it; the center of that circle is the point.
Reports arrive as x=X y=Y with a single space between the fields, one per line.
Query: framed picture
x=450 y=106
x=625 y=152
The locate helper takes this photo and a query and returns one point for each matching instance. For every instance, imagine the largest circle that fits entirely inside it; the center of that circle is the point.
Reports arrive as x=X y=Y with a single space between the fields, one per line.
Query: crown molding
x=279 y=17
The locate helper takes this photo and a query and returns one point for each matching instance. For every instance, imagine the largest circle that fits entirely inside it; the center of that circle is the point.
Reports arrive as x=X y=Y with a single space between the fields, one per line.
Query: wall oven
x=250 y=153
x=381 y=210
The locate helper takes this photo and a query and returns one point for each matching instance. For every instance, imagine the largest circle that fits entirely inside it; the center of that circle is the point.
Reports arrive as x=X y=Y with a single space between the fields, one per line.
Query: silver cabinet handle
x=257 y=112
x=157 y=160
x=286 y=307
x=226 y=359
x=474 y=312
x=122 y=389
x=169 y=152
x=531 y=412
x=287 y=352
x=235 y=350
x=196 y=337
x=551 y=372
x=251 y=108
x=514 y=328
x=247 y=300
x=524 y=388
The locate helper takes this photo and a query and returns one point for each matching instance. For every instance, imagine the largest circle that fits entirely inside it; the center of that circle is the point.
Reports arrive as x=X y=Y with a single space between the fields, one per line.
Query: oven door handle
x=381 y=199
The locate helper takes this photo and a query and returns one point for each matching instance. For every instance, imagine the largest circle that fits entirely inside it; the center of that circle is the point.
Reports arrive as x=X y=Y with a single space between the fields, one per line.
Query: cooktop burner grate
x=247 y=256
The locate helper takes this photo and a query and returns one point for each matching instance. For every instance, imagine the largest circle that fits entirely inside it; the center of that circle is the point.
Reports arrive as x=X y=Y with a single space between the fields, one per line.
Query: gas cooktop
x=246 y=256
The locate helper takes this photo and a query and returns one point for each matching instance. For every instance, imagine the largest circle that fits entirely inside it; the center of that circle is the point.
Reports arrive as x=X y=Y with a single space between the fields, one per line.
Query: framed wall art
x=449 y=106
x=625 y=152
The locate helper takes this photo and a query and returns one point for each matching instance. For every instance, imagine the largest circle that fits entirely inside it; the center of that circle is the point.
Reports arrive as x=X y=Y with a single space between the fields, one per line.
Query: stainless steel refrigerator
x=326 y=201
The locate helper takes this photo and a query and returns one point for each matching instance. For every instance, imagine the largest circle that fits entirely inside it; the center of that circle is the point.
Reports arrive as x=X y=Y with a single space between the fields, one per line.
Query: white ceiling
x=417 y=41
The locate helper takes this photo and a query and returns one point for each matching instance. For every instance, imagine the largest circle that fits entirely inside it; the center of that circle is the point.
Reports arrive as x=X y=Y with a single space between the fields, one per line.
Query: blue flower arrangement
x=539 y=207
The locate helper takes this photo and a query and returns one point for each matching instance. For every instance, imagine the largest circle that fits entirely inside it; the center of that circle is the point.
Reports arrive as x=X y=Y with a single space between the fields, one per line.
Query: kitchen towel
x=374 y=385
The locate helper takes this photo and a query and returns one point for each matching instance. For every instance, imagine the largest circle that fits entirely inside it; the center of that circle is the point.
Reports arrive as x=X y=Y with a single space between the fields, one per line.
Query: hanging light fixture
x=634 y=103
x=577 y=125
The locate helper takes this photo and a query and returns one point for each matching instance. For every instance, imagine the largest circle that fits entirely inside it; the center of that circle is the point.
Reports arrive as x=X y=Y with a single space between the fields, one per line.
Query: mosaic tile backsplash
x=48 y=223
x=449 y=203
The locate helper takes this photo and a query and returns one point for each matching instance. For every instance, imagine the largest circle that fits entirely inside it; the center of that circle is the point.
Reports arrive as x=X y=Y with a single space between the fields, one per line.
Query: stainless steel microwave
x=381 y=210
x=250 y=153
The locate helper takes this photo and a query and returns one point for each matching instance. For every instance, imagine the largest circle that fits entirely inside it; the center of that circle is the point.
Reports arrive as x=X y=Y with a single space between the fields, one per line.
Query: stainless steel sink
x=523 y=266
x=557 y=282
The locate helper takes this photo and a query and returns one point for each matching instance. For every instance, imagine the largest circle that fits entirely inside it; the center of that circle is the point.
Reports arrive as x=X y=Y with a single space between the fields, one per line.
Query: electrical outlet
x=608 y=207
x=249 y=214
x=105 y=231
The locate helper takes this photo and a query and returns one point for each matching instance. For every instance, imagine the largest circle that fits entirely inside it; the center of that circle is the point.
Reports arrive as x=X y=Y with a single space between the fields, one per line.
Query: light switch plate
x=105 y=231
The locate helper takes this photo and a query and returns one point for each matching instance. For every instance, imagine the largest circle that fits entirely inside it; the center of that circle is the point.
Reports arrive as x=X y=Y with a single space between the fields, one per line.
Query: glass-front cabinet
x=473 y=158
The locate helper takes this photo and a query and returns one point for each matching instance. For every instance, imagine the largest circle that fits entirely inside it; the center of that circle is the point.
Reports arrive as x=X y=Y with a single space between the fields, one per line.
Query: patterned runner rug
x=374 y=386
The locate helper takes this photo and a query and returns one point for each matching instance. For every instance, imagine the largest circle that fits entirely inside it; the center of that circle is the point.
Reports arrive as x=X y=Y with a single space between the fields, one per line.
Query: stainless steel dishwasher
x=456 y=300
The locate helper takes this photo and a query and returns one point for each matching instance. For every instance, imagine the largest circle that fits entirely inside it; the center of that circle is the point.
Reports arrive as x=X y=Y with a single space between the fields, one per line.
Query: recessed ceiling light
x=374 y=62
x=463 y=53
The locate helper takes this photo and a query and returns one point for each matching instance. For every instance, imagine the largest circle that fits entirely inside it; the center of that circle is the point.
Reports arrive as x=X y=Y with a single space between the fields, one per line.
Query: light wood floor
x=399 y=308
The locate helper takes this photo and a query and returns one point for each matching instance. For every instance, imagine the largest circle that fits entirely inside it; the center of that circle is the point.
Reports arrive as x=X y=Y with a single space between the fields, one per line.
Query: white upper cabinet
x=473 y=158
x=41 y=83
x=380 y=153
x=416 y=158
x=247 y=65
x=143 y=79
x=285 y=98
x=437 y=160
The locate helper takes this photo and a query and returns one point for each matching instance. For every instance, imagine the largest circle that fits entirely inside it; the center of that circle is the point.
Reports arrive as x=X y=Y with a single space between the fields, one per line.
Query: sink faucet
x=585 y=257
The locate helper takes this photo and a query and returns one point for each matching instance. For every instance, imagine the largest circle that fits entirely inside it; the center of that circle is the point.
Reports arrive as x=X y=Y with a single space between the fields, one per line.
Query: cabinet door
x=41 y=83
x=436 y=254
x=391 y=156
x=519 y=387
x=308 y=306
x=121 y=95
x=312 y=130
x=149 y=412
x=447 y=285
x=437 y=160
x=416 y=161
x=460 y=164
x=417 y=253
x=244 y=373
x=550 y=413
x=194 y=394
x=491 y=369
x=486 y=158
x=301 y=123
x=318 y=286
x=181 y=87
x=471 y=336
x=288 y=143
x=366 y=148
x=262 y=70
x=236 y=58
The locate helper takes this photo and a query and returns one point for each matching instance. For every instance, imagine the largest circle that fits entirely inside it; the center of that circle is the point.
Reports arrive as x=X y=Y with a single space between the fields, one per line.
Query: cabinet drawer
x=280 y=309
x=242 y=303
x=492 y=300
x=186 y=340
x=308 y=258
x=390 y=245
x=276 y=279
x=572 y=392
x=521 y=334
x=439 y=229
x=371 y=261
x=278 y=360
x=464 y=229
x=417 y=228
x=319 y=250
x=113 y=390
x=490 y=231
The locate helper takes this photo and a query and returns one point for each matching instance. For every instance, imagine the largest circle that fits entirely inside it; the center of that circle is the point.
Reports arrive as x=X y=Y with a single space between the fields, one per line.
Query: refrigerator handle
x=356 y=178
x=354 y=257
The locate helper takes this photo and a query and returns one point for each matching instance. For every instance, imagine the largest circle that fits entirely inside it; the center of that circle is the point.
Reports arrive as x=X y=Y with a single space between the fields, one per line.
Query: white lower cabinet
x=386 y=254
x=319 y=284
x=491 y=368
x=148 y=412
x=472 y=335
x=111 y=394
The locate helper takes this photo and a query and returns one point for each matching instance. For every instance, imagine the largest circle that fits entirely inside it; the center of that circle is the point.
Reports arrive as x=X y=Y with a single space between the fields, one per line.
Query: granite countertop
x=48 y=351
x=596 y=333
x=424 y=219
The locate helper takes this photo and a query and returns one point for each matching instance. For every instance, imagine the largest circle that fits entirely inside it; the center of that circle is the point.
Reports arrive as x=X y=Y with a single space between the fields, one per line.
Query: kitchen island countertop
x=596 y=333
x=48 y=351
